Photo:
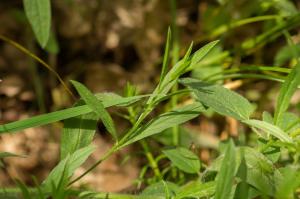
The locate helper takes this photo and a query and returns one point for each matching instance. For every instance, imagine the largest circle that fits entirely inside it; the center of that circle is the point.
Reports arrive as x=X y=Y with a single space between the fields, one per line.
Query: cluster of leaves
x=239 y=171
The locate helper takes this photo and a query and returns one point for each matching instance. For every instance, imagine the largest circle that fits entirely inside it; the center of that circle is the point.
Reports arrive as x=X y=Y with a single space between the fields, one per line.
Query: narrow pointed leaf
x=107 y=99
x=287 y=90
x=167 y=120
x=220 y=99
x=97 y=106
x=269 y=128
x=38 y=13
x=166 y=56
x=66 y=168
x=201 y=53
x=226 y=174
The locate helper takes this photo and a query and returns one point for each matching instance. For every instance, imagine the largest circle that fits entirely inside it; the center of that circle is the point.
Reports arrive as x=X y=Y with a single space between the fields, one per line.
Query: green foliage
x=78 y=132
x=97 y=107
x=267 y=169
x=220 y=99
x=196 y=189
x=38 y=13
x=58 y=179
x=271 y=129
x=224 y=183
x=165 y=121
x=286 y=92
x=183 y=159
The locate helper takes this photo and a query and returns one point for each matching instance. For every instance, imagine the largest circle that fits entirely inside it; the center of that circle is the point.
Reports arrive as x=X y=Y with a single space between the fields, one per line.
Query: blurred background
x=105 y=44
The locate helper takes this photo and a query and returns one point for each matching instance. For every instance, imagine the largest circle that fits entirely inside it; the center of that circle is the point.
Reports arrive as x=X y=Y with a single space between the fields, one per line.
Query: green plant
x=239 y=171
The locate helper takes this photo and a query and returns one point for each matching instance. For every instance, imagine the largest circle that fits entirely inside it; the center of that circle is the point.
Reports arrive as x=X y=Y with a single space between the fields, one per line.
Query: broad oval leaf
x=220 y=99
x=97 y=106
x=38 y=13
x=269 y=128
x=183 y=159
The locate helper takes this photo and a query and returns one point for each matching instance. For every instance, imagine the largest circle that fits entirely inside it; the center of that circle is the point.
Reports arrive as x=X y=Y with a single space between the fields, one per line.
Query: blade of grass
x=66 y=113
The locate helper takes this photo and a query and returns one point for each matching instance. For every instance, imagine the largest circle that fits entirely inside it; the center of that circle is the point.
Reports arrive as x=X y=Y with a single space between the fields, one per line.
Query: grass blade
x=108 y=100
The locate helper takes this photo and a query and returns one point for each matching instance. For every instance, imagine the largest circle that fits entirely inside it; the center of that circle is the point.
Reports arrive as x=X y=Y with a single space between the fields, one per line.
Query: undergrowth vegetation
x=261 y=162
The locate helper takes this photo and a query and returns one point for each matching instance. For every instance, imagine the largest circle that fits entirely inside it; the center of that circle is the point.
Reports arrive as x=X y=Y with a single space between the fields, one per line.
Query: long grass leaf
x=108 y=100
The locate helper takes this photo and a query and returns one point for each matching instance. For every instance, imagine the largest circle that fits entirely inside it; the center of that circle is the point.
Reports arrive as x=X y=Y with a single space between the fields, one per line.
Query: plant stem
x=104 y=157
x=152 y=162
x=175 y=58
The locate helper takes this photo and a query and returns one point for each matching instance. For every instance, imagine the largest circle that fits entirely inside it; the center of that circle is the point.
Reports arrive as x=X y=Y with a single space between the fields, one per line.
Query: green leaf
x=78 y=132
x=287 y=90
x=52 y=44
x=107 y=99
x=269 y=128
x=220 y=99
x=183 y=159
x=226 y=174
x=166 y=56
x=25 y=191
x=165 y=121
x=38 y=13
x=158 y=189
x=196 y=189
x=285 y=54
x=97 y=106
x=201 y=53
x=242 y=190
x=290 y=181
x=8 y=154
x=64 y=170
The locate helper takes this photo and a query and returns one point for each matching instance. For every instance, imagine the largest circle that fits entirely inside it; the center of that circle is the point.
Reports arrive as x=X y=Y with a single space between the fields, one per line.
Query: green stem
x=152 y=162
x=104 y=157
x=175 y=58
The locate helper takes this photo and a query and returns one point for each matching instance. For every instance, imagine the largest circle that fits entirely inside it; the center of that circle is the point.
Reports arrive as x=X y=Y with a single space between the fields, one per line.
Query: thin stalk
x=43 y=63
x=152 y=162
x=175 y=58
x=37 y=81
x=104 y=157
